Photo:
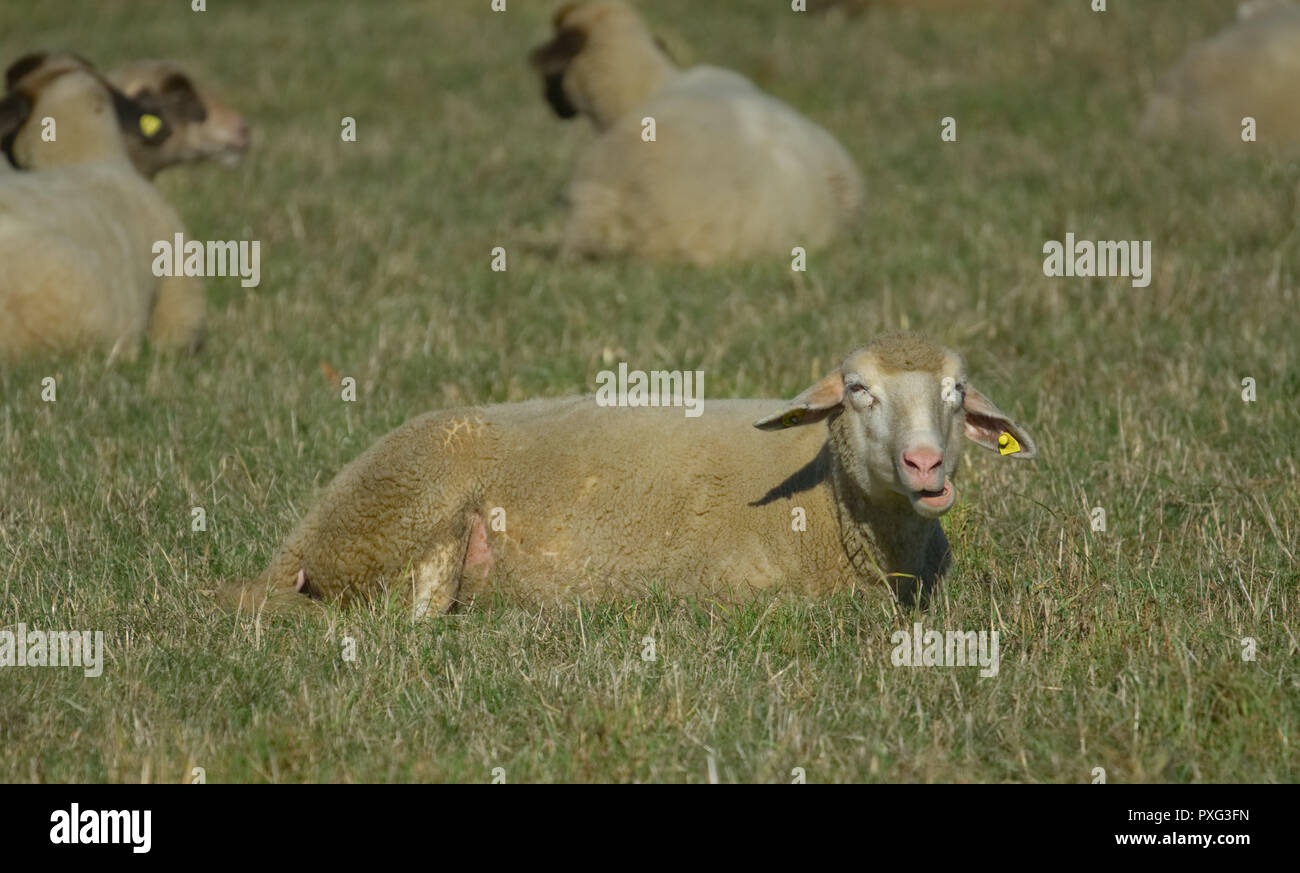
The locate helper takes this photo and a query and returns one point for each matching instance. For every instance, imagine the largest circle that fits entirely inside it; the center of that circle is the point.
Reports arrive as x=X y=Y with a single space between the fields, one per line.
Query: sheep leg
x=435 y=578
x=178 y=319
x=302 y=585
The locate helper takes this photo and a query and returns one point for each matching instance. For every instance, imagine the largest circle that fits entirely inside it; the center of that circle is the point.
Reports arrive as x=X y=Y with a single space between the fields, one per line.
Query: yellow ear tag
x=1007 y=444
x=790 y=419
x=150 y=124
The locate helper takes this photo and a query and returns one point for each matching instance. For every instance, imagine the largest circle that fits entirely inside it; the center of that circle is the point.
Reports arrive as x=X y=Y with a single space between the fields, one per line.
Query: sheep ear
x=814 y=404
x=181 y=99
x=553 y=57
x=986 y=426
x=22 y=67
x=560 y=14
x=14 y=110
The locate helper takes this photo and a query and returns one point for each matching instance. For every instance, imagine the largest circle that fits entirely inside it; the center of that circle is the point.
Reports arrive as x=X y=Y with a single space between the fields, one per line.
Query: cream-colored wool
x=204 y=127
x=76 y=238
x=1251 y=68
x=732 y=174
x=605 y=502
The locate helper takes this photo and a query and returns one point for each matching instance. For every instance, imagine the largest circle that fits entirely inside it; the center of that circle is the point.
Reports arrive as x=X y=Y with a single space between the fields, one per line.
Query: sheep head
x=897 y=410
x=203 y=126
x=601 y=62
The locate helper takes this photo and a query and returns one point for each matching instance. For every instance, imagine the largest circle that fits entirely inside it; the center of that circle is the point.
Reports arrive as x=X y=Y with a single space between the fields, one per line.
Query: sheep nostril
x=922 y=461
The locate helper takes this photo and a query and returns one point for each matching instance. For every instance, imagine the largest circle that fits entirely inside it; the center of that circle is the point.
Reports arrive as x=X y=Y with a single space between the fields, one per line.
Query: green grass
x=1120 y=648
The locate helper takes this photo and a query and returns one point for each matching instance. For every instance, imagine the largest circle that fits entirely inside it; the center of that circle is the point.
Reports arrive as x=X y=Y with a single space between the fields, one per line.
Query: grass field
x=1121 y=648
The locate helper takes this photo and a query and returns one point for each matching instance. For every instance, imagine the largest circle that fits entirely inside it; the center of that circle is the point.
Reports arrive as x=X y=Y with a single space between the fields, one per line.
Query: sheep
x=547 y=500
x=1249 y=69
x=76 y=239
x=731 y=174
x=202 y=126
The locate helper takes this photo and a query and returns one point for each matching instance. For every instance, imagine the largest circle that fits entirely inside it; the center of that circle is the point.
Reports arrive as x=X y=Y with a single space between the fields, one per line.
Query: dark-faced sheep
x=731 y=172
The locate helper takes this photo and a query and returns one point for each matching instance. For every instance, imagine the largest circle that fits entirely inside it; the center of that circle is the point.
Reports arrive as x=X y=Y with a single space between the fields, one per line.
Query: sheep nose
x=922 y=464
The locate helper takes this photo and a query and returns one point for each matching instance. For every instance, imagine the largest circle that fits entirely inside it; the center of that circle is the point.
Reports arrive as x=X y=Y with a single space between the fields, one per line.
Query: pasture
x=1121 y=648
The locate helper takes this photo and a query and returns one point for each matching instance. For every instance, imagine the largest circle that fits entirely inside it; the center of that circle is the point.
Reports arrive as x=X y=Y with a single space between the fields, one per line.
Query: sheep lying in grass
x=202 y=126
x=1251 y=68
x=552 y=499
x=732 y=173
x=76 y=239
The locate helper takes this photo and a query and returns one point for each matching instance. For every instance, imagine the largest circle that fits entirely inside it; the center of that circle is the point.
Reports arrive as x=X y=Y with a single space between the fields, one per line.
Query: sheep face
x=897 y=412
x=203 y=126
x=552 y=60
x=601 y=62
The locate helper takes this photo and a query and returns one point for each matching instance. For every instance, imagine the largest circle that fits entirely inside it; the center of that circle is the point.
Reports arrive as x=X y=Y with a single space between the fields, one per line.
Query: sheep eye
x=861 y=394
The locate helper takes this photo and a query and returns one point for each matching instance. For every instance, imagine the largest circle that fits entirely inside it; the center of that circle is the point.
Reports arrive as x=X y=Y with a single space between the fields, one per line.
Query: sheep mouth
x=231 y=155
x=935 y=503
